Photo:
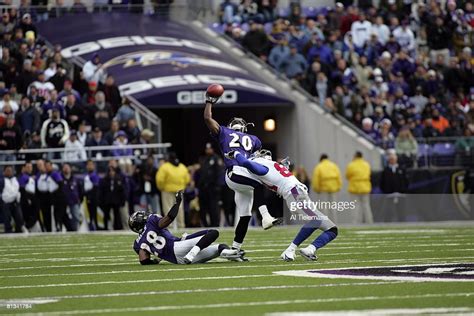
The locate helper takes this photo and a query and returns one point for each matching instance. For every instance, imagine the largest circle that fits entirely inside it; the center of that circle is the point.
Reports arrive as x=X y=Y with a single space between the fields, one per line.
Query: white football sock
x=236 y=245
x=194 y=251
x=292 y=247
x=263 y=210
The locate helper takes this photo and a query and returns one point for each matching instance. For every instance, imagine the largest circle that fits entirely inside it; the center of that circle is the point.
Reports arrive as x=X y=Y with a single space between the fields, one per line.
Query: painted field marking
x=326 y=251
x=270 y=243
x=136 y=281
x=250 y=304
x=382 y=312
x=225 y=266
x=313 y=273
x=224 y=289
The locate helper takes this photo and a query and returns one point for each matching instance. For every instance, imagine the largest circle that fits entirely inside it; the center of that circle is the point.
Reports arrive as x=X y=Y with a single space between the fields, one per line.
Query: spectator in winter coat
x=58 y=197
x=112 y=196
x=74 y=150
x=28 y=117
x=101 y=112
x=11 y=199
x=112 y=93
x=55 y=131
x=95 y=140
x=91 y=192
x=125 y=113
x=295 y=64
x=73 y=192
x=92 y=70
x=28 y=201
x=358 y=174
x=10 y=138
x=172 y=177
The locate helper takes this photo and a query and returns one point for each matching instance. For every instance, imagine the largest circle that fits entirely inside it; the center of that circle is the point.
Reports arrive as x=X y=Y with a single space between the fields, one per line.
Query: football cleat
x=240 y=255
x=288 y=255
x=188 y=259
x=270 y=221
x=230 y=254
x=309 y=254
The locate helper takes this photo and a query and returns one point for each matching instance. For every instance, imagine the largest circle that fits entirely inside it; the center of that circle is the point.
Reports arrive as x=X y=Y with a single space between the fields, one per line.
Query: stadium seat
x=443 y=154
x=424 y=153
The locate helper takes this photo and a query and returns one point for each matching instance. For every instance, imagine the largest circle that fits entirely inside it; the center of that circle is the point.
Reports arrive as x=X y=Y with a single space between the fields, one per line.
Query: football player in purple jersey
x=234 y=137
x=155 y=239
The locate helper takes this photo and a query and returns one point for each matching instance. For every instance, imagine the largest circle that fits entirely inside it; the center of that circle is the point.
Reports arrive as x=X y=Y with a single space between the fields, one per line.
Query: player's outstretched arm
x=252 y=166
x=211 y=123
x=144 y=258
x=169 y=218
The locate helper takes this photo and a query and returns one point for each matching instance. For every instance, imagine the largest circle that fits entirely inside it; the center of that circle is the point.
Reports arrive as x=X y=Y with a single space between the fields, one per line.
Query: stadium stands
x=412 y=63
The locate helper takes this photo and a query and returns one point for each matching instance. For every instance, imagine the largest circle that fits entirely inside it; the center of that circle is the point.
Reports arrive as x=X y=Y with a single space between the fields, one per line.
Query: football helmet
x=263 y=153
x=239 y=124
x=137 y=221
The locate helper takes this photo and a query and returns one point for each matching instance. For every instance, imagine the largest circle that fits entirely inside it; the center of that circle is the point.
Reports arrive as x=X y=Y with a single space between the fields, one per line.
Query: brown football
x=215 y=90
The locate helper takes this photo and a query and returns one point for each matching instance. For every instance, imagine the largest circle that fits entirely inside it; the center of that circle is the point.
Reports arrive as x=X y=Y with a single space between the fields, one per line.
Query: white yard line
x=334 y=248
x=326 y=251
x=136 y=281
x=225 y=266
x=270 y=243
x=228 y=305
x=225 y=289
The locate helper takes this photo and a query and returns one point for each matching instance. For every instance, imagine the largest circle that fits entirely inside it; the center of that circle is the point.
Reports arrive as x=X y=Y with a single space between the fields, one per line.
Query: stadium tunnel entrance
x=186 y=130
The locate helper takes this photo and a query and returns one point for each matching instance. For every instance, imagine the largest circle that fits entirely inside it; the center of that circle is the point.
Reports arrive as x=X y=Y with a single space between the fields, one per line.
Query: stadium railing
x=442 y=152
x=140 y=151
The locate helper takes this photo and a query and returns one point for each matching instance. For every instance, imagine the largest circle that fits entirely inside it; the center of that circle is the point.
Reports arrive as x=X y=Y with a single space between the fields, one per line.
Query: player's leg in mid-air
x=243 y=184
x=198 y=248
x=319 y=221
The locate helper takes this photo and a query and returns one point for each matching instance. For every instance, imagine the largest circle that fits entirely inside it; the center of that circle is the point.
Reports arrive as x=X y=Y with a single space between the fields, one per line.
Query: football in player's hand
x=215 y=90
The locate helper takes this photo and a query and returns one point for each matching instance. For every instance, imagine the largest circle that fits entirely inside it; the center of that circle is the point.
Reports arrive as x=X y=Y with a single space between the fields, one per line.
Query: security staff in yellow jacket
x=358 y=174
x=327 y=182
x=172 y=177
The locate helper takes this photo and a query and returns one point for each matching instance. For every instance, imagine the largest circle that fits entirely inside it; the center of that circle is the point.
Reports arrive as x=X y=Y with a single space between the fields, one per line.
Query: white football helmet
x=239 y=124
x=263 y=153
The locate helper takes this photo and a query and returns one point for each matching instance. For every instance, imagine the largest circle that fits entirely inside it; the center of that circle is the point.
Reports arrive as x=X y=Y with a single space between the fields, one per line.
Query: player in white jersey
x=278 y=178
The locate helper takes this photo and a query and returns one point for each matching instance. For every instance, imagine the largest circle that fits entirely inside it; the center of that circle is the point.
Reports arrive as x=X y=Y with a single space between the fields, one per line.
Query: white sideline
x=228 y=305
x=225 y=289
x=136 y=281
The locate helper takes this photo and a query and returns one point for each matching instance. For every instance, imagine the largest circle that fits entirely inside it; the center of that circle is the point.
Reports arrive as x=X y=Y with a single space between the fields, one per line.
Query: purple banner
x=161 y=64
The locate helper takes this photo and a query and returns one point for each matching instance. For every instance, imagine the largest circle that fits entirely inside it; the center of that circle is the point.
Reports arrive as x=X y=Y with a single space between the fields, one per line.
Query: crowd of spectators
x=46 y=104
x=400 y=71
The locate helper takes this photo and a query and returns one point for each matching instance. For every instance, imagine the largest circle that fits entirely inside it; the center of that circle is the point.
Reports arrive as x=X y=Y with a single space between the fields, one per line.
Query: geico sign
x=198 y=97
x=122 y=41
x=186 y=80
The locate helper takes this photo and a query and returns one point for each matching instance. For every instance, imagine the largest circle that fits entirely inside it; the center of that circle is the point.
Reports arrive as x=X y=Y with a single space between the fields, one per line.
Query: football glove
x=211 y=99
x=179 y=197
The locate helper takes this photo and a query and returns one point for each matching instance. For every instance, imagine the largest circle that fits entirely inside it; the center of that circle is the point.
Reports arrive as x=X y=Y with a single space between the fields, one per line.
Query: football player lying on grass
x=155 y=239
x=278 y=178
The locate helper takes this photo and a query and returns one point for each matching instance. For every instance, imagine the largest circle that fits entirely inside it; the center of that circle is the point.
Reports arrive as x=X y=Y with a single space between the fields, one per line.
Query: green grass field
x=97 y=274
